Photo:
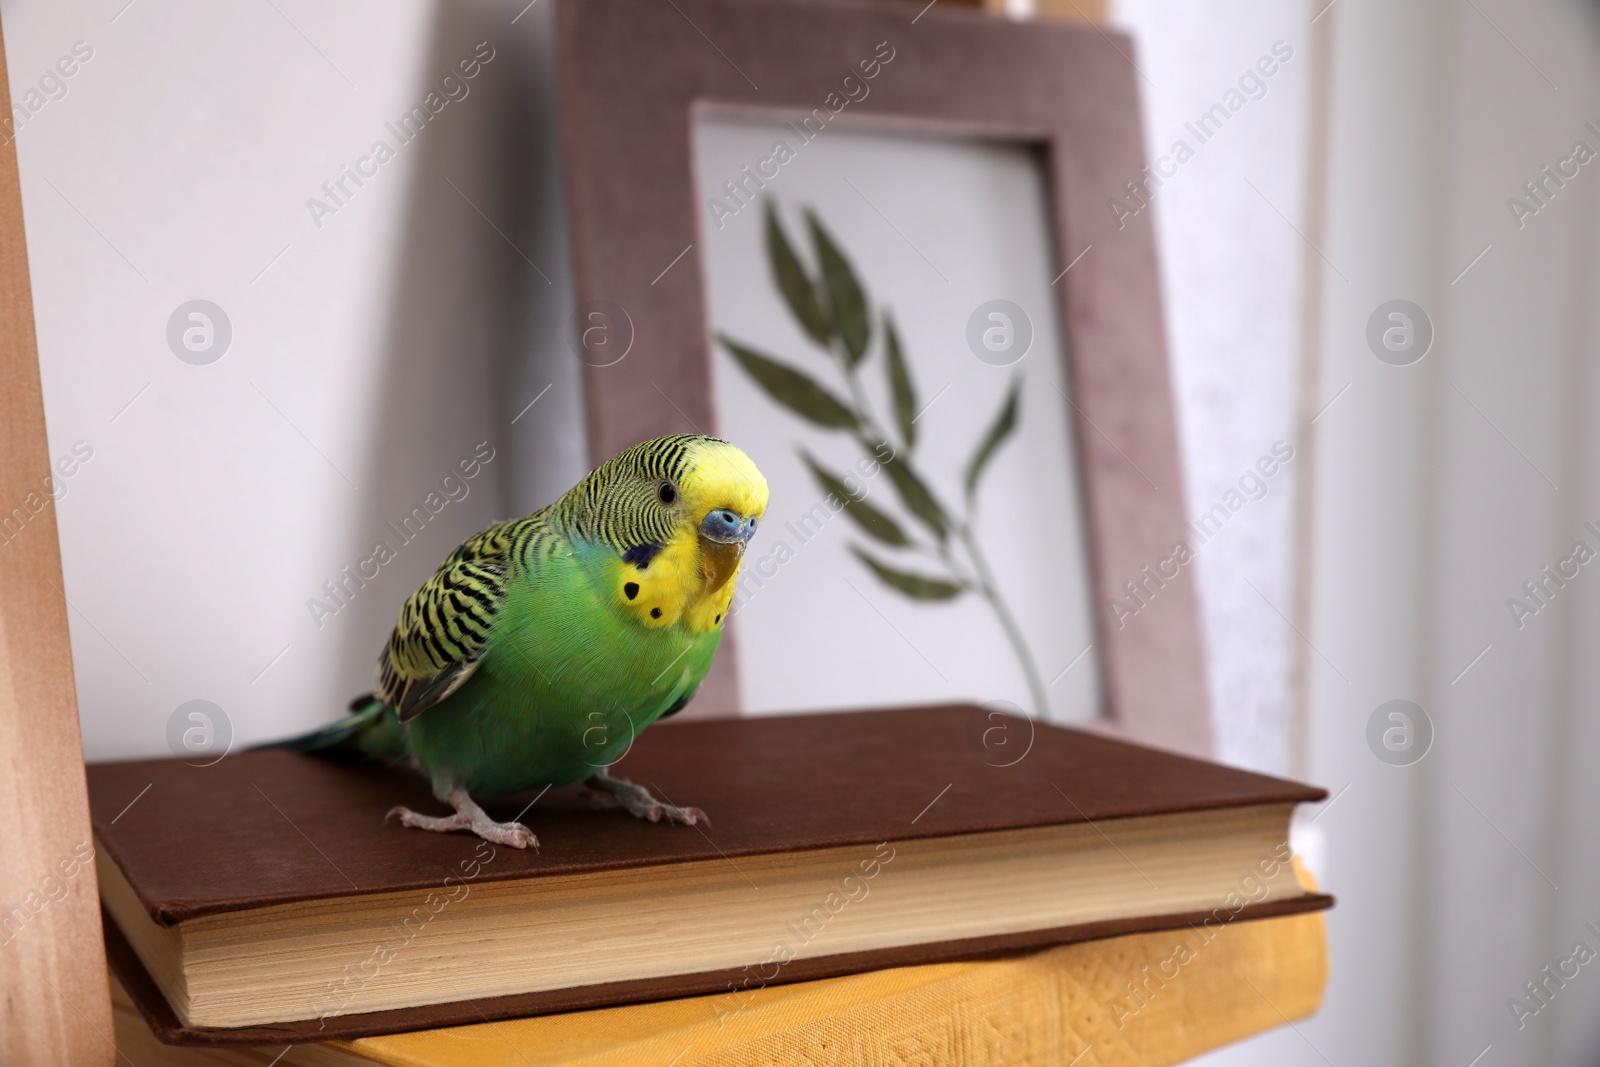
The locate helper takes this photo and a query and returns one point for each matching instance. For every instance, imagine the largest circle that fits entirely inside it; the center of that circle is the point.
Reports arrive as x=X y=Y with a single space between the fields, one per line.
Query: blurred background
x=1386 y=259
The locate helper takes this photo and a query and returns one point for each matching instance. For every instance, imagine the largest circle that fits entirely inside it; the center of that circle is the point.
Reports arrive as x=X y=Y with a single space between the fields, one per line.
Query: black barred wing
x=444 y=625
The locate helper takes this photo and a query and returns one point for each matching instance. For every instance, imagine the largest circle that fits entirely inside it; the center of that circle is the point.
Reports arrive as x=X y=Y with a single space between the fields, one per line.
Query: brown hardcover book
x=265 y=899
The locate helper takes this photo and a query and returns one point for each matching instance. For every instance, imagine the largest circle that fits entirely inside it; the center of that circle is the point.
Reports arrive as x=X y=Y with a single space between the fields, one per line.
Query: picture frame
x=634 y=76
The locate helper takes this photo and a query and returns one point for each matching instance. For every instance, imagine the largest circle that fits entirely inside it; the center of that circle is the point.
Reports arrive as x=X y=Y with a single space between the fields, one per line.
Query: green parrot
x=543 y=645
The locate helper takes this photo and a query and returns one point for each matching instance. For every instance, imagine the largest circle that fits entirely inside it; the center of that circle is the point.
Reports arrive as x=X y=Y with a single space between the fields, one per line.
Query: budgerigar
x=545 y=644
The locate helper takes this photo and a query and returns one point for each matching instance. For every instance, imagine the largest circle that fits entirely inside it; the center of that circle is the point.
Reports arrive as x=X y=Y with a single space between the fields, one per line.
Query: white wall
x=1230 y=263
x=370 y=353
x=1227 y=225
x=1441 y=488
x=1509 y=806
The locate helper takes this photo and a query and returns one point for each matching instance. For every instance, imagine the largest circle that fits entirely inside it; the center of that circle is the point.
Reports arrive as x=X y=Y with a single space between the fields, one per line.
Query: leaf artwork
x=845 y=298
x=901 y=390
x=796 y=286
x=872 y=521
x=916 y=496
x=1003 y=424
x=793 y=389
x=832 y=309
x=917 y=586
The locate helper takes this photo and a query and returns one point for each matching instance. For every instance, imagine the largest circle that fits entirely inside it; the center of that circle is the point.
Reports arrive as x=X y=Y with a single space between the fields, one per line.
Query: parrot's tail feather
x=370 y=732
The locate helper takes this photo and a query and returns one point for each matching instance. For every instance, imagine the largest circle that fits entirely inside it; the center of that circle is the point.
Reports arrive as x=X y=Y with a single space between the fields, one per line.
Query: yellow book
x=1137 y=1001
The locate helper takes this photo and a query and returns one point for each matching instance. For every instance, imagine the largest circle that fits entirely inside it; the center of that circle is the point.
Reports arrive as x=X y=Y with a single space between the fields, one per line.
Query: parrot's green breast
x=567 y=679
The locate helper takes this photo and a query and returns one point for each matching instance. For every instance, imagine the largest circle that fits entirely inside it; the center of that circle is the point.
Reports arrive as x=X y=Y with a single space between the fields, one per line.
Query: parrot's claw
x=612 y=793
x=469 y=817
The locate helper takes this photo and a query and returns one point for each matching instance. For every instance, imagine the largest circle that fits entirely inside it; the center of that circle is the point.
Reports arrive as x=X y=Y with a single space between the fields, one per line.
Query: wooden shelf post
x=55 y=1005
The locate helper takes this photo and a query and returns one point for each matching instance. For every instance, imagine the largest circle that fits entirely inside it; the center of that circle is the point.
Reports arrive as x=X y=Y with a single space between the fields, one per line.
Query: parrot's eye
x=667 y=493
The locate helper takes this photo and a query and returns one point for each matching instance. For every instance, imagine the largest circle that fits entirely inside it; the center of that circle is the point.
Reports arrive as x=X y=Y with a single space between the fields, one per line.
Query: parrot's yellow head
x=679 y=512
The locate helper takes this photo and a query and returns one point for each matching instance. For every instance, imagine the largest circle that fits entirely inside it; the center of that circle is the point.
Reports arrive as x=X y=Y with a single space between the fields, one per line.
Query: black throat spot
x=641 y=555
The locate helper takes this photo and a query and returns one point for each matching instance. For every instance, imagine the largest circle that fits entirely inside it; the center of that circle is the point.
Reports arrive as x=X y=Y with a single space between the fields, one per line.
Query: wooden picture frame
x=632 y=76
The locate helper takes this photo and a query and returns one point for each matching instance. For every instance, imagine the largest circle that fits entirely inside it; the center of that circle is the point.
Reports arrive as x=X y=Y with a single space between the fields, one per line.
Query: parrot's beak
x=723 y=536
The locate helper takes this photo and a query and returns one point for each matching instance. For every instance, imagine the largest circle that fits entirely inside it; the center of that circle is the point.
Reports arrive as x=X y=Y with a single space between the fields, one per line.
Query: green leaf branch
x=832 y=310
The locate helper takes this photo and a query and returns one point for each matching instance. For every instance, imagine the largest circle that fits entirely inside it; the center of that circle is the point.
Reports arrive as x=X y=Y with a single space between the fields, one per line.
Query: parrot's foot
x=611 y=793
x=468 y=816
